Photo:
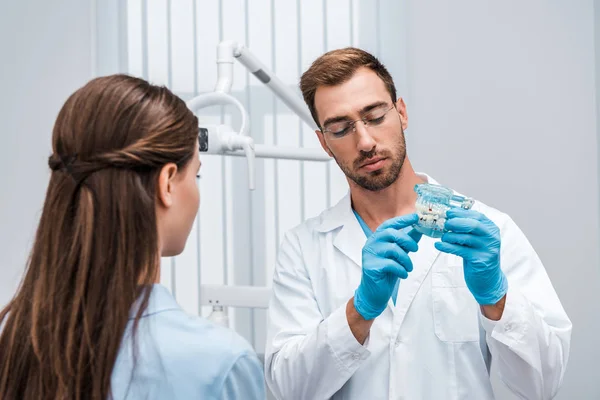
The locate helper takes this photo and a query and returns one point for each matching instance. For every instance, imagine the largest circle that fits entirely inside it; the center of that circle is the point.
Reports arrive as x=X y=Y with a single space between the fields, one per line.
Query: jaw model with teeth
x=432 y=203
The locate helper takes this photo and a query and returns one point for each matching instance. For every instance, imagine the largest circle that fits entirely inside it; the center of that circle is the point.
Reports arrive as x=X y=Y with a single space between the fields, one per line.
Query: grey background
x=45 y=54
x=502 y=105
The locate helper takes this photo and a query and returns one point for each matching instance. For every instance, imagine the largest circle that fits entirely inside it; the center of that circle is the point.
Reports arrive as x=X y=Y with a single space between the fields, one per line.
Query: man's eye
x=340 y=133
x=376 y=120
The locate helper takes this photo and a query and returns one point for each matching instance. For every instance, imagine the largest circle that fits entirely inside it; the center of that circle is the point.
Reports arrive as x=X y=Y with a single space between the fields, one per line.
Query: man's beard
x=381 y=178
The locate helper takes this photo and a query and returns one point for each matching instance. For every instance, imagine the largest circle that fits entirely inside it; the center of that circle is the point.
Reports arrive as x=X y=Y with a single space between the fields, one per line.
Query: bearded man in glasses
x=365 y=307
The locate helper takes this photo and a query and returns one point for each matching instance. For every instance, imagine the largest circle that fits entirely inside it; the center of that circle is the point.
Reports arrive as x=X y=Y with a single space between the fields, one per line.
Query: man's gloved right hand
x=384 y=261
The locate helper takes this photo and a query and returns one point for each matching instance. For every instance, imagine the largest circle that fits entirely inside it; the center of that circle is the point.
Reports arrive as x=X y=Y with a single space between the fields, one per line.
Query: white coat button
x=508 y=327
x=398 y=341
x=355 y=356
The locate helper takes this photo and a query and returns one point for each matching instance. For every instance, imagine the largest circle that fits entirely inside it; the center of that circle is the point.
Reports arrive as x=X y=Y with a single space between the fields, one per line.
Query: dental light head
x=432 y=203
x=220 y=139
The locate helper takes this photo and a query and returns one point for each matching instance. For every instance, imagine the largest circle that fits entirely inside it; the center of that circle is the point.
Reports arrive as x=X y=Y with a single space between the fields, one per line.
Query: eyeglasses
x=375 y=117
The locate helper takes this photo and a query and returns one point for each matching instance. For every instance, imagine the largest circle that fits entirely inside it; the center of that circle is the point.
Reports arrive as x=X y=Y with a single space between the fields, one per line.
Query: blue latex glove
x=384 y=261
x=476 y=239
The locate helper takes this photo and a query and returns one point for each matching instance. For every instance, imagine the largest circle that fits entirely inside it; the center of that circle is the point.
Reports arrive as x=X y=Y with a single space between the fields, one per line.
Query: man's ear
x=322 y=141
x=166 y=179
x=401 y=107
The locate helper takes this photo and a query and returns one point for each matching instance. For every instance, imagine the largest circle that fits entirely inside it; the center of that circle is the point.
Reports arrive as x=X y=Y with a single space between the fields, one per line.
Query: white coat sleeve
x=307 y=355
x=530 y=343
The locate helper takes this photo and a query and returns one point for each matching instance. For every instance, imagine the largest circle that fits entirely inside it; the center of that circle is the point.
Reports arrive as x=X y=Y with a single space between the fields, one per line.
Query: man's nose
x=365 y=141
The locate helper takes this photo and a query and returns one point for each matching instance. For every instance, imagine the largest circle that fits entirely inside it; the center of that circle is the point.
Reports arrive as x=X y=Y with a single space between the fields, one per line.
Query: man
x=479 y=293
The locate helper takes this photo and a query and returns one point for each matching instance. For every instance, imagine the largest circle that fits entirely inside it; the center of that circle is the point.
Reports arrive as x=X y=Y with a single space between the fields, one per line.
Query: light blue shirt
x=184 y=357
x=363 y=224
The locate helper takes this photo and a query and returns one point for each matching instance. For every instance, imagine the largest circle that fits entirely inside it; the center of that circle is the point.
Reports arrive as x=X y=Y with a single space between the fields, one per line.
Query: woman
x=90 y=320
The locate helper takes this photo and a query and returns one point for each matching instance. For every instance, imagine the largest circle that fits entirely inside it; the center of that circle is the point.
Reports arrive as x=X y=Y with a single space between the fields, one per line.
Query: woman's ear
x=166 y=179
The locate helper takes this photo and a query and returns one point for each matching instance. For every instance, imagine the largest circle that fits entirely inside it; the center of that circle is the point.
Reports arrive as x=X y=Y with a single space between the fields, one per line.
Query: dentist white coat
x=433 y=344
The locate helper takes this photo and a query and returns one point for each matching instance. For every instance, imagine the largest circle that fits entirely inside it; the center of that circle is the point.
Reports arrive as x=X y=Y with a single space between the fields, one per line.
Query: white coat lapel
x=350 y=239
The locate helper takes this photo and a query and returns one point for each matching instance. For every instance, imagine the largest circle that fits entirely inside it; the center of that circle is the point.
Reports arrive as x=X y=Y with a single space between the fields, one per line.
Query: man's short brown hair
x=336 y=67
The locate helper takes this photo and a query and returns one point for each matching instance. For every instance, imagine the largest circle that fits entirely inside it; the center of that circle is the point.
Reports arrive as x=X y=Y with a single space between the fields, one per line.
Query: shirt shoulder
x=194 y=341
x=217 y=359
x=177 y=355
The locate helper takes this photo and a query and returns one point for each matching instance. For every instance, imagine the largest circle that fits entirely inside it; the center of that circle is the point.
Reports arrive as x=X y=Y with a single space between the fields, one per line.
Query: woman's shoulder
x=183 y=338
x=199 y=335
x=179 y=352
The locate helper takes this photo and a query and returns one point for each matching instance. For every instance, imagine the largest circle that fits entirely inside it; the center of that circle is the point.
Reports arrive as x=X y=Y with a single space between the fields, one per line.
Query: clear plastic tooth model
x=432 y=203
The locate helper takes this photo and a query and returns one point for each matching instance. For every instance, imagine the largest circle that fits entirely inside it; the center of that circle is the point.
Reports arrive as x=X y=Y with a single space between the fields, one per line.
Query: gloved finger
x=455 y=249
x=395 y=269
x=391 y=251
x=462 y=213
x=415 y=235
x=400 y=238
x=464 y=239
x=399 y=222
x=466 y=225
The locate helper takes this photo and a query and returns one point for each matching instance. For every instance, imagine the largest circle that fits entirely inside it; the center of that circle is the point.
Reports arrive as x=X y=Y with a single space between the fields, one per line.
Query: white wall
x=45 y=54
x=501 y=104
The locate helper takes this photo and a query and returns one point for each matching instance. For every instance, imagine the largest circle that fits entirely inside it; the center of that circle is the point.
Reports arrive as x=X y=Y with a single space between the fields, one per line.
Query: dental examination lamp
x=224 y=140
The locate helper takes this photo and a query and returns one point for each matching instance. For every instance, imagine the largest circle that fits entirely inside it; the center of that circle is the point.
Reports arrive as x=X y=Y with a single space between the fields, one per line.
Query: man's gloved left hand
x=476 y=239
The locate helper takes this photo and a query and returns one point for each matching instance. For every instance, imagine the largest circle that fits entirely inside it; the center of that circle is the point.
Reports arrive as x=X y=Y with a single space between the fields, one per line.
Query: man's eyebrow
x=336 y=119
x=364 y=110
x=370 y=107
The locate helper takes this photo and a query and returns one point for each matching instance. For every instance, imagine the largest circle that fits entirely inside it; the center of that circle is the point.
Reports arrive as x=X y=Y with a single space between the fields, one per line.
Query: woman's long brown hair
x=96 y=246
